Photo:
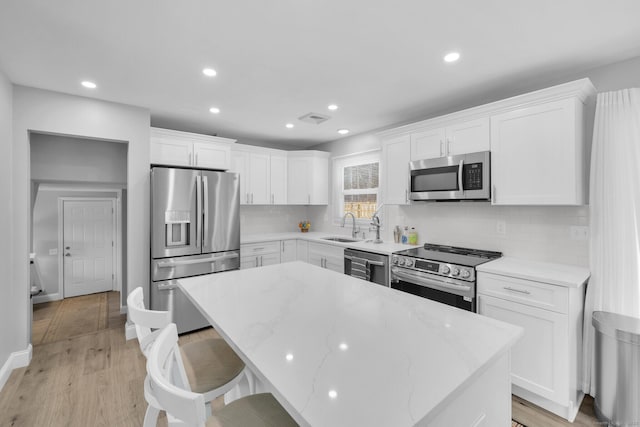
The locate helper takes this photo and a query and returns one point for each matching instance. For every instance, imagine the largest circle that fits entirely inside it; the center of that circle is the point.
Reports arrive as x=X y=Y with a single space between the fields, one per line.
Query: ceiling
x=276 y=60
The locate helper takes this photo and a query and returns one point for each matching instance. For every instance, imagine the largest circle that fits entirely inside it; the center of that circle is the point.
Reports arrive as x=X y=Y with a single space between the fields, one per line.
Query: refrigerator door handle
x=205 y=209
x=171 y=264
x=198 y=210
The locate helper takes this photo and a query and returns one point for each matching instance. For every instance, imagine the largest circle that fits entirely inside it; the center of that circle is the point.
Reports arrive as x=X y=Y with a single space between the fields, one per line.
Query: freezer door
x=174 y=212
x=221 y=200
x=167 y=296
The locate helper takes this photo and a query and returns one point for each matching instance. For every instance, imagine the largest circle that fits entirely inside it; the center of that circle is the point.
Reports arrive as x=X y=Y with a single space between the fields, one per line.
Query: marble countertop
x=556 y=274
x=337 y=351
x=384 y=248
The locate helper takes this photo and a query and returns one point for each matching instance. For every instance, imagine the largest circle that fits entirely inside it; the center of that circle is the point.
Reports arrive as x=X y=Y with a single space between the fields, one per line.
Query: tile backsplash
x=271 y=218
x=542 y=233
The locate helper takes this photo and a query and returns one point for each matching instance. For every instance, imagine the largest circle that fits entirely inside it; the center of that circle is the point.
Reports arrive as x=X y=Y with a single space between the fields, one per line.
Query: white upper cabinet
x=262 y=175
x=468 y=136
x=174 y=148
x=278 y=165
x=539 y=152
x=307 y=178
x=396 y=154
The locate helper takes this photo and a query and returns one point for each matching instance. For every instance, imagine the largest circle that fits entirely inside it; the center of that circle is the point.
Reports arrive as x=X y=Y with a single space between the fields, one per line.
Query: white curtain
x=615 y=216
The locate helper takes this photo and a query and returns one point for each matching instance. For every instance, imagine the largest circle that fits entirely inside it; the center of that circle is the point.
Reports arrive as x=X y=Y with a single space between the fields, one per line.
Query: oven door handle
x=419 y=279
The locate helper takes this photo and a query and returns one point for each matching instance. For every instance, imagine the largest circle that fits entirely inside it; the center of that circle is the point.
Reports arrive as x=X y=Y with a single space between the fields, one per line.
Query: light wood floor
x=93 y=377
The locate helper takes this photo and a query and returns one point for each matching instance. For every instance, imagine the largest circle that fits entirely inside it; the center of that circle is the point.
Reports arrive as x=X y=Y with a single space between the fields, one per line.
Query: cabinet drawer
x=260 y=248
x=535 y=294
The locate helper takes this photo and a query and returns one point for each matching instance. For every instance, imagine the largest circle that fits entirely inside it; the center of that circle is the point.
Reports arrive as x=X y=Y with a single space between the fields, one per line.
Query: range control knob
x=400 y=261
x=444 y=269
x=465 y=274
x=455 y=271
x=395 y=260
x=408 y=262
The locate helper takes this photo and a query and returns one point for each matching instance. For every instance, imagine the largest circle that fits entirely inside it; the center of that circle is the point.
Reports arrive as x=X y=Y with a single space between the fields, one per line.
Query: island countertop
x=338 y=351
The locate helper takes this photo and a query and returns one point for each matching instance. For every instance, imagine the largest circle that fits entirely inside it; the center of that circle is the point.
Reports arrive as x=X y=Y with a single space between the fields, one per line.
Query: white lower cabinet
x=259 y=254
x=326 y=256
x=546 y=361
x=288 y=250
x=302 y=250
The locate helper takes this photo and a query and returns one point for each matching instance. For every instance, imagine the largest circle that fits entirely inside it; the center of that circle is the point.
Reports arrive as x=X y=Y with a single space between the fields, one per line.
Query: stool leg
x=151 y=416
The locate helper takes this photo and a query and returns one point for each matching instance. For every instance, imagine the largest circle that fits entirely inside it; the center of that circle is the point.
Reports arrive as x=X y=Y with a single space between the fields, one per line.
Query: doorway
x=88 y=243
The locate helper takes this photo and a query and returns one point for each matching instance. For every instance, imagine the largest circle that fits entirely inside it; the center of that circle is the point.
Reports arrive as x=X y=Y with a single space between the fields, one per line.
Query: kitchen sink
x=340 y=239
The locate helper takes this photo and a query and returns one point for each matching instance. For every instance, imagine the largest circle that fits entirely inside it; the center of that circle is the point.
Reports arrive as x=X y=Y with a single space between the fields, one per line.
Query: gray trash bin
x=617 y=359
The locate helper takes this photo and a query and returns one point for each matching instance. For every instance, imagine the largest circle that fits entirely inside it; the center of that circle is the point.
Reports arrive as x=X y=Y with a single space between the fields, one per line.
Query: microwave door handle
x=460 y=169
x=198 y=210
x=205 y=209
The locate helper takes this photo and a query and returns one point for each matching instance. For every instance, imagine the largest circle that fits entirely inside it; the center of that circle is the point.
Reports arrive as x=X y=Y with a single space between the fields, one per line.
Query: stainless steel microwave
x=453 y=178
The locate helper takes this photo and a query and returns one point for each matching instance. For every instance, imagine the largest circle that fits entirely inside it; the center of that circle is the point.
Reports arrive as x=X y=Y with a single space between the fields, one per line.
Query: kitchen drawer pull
x=509 y=288
x=258 y=249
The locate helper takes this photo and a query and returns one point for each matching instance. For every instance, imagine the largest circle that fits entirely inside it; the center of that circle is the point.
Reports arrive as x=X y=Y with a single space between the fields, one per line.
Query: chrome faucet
x=375 y=222
x=355 y=229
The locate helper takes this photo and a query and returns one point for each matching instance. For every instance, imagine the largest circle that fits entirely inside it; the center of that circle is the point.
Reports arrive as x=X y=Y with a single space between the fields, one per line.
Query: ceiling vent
x=314 y=118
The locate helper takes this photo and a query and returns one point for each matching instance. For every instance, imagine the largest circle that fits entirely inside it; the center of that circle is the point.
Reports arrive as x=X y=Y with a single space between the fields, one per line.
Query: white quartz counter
x=555 y=274
x=337 y=351
x=384 y=248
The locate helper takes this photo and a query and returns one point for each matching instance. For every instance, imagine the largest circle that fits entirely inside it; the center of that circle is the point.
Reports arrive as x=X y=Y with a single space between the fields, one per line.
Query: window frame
x=355 y=159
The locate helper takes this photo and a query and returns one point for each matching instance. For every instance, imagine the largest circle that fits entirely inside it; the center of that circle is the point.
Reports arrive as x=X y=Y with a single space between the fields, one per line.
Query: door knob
x=67 y=254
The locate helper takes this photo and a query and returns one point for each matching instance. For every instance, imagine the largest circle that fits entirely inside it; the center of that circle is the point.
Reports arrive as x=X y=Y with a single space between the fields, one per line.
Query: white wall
x=62 y=158
x=43 y=111
x=271 y=219
x=539 y=233
x=11 y=300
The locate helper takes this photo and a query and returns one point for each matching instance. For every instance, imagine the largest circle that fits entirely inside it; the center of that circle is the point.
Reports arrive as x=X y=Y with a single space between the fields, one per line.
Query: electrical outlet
x=53 y=252
x=501 y=227
x=579 y=232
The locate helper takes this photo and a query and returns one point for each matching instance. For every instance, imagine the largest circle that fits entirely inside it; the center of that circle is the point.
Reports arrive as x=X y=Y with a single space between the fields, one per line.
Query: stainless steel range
x=445 y=274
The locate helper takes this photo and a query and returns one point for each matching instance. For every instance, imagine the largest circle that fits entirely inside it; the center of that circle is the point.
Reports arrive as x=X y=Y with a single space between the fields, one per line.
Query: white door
x=88 y=243
x=396 y=156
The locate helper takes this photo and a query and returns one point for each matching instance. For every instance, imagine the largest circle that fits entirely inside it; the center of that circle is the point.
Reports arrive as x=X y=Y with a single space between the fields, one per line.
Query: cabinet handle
x=247 y=198
x=493 y=195
x=196 y=160
x=282 y=243
x=257 y=264
x=273 y=199
x=261 y=261
x=441 y=144
x=191 y=159
x=257 y=249
x=406 y=196
x=251 y=198
x=448 y=146
x=520 y=291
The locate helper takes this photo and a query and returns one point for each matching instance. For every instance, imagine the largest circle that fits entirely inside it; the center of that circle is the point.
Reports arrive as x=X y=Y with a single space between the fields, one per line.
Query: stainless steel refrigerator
x=195 y=230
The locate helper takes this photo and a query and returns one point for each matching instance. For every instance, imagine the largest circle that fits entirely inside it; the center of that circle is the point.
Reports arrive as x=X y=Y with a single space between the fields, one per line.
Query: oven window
x=436 y=179
x=435 y=295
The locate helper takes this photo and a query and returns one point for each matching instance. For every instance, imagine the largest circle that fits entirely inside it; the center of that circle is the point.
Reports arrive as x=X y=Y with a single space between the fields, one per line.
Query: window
x=356 y=182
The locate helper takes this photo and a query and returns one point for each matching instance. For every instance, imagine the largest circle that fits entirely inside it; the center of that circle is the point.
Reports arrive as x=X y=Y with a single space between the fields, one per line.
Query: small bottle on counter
x=404 y=239
x=413 y=236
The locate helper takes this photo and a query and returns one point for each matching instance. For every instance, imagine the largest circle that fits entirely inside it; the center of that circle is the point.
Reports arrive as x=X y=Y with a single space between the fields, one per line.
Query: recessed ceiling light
x=332 y=107
x=214 y=110
x=451 y=57
x=209 y=72
x=289 y=125
x=343 y=131
x=89 y=85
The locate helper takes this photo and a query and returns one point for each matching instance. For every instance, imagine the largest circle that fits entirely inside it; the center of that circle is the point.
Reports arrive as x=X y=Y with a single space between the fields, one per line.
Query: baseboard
x=17 y=359
x=569 y=413
x=46 y=298
x=130 y=331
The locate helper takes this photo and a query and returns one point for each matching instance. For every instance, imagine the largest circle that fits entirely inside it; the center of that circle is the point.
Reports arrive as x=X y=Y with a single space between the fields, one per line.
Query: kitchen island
x=338 y=351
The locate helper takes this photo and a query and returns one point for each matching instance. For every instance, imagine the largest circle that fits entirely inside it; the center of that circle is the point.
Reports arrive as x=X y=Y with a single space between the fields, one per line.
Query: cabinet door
x=316 y=258
x=468 y=137
x=288 y=250
x=269 y=259
x=212 y=155
x=278 y=180
x=302 y=250
x=428 y=144
x=319 y=181
x=165 y=151
x=298 y=180
x=539 y=360
x=259 y=179
x=396 y=154
x=240 y=165
x=534 y=160
x=248 y=262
